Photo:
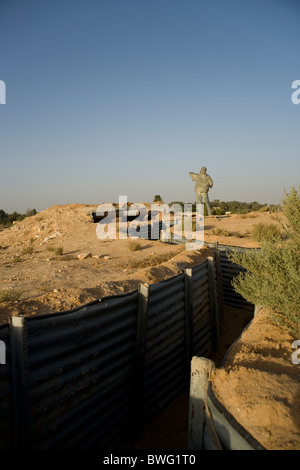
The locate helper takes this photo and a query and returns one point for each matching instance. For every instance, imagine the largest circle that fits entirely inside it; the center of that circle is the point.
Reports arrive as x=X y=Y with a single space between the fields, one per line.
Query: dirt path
x=169 y=430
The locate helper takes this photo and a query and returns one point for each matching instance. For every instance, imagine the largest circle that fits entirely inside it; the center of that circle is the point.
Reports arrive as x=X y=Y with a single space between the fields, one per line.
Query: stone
x=82 y=256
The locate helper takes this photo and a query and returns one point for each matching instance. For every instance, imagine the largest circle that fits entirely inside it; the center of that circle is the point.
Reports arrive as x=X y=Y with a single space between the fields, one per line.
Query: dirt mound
x=260 y=387
x=54 y=261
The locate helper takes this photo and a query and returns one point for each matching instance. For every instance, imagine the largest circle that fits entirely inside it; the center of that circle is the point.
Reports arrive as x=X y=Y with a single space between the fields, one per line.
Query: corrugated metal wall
x=80 y=375
x=6 y=406
x=229 y=271
x=202 y=332
x=165 y=359
x=83 y=379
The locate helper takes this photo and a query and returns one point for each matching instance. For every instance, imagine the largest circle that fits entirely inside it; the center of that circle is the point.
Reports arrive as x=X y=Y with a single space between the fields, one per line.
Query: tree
x=157 y=198
x=16 y=216
x=30 y=212
x=272 y=276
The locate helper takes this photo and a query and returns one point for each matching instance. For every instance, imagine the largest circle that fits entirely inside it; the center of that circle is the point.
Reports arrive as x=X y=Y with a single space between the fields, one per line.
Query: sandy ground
x=89 y=268
x=43 y=281
x=259 y=384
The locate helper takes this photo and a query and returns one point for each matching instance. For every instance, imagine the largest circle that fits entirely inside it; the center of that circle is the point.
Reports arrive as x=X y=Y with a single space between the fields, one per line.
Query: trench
x=168 y=431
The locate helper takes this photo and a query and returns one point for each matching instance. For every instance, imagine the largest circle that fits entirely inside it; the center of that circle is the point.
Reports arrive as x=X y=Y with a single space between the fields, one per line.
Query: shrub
x=266 y=232
x=242 y=235
x=28 y=250
x=264 y=209
x=58 y=250
x=134 y=245
x=9 y=295
x=221 y=231
x=272 y=276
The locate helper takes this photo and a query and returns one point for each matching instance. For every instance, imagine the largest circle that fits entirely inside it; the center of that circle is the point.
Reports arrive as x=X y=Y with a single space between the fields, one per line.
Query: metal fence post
x=141 y=343
x=19 y=366
x=213 y=301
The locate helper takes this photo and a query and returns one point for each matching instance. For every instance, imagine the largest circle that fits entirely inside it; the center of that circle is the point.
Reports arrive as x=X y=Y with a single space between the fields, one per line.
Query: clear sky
x=125 y=97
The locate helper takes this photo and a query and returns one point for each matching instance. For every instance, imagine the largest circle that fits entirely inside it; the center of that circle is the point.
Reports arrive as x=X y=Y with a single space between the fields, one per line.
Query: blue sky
x=125 y=97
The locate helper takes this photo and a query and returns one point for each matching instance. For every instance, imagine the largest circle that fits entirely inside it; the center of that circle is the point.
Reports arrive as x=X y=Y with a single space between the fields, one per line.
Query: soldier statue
x=202 y=184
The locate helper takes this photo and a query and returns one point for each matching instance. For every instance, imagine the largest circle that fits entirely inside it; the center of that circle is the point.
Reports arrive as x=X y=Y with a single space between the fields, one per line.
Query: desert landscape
x=53 y=261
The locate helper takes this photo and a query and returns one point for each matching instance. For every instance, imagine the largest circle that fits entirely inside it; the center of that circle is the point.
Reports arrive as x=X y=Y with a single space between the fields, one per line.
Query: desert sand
x=40 y=280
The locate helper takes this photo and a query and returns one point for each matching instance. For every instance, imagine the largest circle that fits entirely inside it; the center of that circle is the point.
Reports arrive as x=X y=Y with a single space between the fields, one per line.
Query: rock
x=84 y=255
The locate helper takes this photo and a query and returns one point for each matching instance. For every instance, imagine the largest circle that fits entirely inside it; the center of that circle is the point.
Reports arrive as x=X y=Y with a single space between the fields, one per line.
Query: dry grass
x=265 y=232
x=221 y=231
x=57 y=250
x=10 y=295
x=134 y=245
x=27 y=250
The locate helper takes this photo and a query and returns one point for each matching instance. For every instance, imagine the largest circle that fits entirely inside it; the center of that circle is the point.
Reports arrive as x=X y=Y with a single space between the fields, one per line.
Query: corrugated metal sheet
x=81 y=374
x=6 y=407
x=231 y=434
x=150 y=230
x=229 y=271
x=85 y=368
x=202 y=341
x=165 y=362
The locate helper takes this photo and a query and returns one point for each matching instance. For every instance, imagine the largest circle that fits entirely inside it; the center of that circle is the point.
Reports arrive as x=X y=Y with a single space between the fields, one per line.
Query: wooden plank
x=201 y=369
x=210 y=437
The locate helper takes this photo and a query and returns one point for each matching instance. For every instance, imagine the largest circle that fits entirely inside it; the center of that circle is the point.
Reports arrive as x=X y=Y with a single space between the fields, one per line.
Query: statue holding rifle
x=203 y=183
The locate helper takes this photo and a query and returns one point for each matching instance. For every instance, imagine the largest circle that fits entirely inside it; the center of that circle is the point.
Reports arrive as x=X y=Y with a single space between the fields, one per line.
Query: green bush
x=266 y=232
x=272 y=276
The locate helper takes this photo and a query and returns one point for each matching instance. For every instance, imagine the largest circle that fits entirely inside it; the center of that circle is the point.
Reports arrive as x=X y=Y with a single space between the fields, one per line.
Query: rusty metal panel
x=81 y=374
x=6 y=407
